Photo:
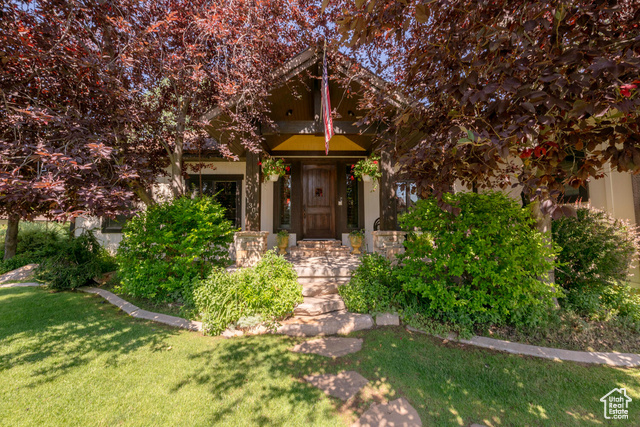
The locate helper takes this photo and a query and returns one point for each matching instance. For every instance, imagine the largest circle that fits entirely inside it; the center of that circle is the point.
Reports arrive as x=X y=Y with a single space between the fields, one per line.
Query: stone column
x=388 y=243
x=250 y=246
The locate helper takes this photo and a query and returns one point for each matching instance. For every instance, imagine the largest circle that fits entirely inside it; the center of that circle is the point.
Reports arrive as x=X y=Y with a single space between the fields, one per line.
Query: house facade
x=319 y=198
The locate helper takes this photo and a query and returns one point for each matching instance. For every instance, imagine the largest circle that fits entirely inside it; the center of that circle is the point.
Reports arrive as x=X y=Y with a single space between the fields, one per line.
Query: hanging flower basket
x=273 y=169
x=367 y=170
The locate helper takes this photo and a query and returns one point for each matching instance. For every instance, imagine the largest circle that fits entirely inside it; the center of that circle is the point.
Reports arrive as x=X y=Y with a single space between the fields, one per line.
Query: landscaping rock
x=19 y=274
x=393 y=414
x=330 y=347
x=231 y=333
x=387 y=319
x=326 y=324
x=344 y=386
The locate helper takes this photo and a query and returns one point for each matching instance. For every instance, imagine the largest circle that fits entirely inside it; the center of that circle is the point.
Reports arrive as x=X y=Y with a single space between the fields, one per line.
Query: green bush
x=597 y=253
x=372 y=287
x=484 y=265
x=264 y=293
x=170 y=245
x=78 y=261
x=37 y=241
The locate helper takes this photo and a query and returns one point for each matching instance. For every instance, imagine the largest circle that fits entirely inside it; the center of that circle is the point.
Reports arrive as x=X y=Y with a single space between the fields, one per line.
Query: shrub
x=484 y=265
x=597 y=252
x=267 y=292
x=37 y=241
x=171 y=244
x=372 y=287
x=79 y=259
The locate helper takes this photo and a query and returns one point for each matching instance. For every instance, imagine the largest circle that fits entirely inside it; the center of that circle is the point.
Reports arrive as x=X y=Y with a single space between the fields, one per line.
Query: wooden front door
x=318 y=201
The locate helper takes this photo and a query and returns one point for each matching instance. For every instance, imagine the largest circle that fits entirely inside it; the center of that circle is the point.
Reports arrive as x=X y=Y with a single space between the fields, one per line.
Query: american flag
x=326 y=106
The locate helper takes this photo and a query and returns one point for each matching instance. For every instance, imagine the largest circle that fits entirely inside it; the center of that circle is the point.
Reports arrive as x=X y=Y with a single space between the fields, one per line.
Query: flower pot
x=356 y=244
x=366 y=178
x=283 y=244
x=274 y=177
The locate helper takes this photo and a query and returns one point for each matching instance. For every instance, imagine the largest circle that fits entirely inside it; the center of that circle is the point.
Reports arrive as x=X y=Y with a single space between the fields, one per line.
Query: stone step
x=321 y=304
x=319 y=243
x=337 y=251
x=326 y=266
x=328 y=324
x=333 y=280
x=319 y=288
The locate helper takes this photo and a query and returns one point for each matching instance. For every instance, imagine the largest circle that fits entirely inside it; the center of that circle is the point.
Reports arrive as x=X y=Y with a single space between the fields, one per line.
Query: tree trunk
x=177 y=183
x=543 y=224
x=11 y=238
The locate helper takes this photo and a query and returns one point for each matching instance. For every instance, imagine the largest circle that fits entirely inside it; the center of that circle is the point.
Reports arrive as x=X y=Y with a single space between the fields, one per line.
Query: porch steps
x=323 y=312
x=317 y=248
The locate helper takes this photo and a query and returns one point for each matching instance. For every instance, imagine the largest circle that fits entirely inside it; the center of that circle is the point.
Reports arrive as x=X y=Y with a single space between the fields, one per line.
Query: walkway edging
x=626 y=360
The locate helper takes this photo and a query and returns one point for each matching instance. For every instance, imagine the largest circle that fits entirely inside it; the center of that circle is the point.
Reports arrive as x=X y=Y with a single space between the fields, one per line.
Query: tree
x=65 y=114
x=195 y=57
x=504 y=93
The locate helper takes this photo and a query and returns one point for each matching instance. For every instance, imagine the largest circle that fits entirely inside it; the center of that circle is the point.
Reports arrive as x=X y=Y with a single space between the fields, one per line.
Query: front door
x=318 y=201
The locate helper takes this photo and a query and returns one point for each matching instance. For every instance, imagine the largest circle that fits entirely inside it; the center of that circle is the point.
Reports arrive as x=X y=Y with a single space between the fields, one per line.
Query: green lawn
x=70 y=359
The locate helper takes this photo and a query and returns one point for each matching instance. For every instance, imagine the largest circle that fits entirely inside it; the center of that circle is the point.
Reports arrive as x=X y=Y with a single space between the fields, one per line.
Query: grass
x=70 y=359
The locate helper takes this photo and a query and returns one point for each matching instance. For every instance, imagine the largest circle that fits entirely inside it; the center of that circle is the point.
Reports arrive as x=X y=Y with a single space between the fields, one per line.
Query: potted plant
x=283 y=241
x=356 y=237
x=273 y=168
x=367 y=170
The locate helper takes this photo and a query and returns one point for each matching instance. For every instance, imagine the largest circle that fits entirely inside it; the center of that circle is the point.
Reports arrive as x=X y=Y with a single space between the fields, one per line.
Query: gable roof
x=310 y=56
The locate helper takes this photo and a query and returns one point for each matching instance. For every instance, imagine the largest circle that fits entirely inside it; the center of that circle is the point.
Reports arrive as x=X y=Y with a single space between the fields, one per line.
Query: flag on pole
x=326 y=104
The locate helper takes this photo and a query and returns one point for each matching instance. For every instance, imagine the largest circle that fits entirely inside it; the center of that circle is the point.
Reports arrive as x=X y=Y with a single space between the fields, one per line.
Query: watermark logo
x=616 y=404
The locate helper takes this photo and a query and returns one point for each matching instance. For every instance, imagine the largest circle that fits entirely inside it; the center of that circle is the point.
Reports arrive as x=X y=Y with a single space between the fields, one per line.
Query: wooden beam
x=252 y=208
x=314 y=153
x=388 y=220
x=635 y=185
x=311 y=127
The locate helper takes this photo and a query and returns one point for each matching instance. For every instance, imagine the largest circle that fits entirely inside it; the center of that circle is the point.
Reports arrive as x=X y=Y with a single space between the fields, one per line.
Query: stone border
x=21 y=285
x=626 y=360
x=138 y=313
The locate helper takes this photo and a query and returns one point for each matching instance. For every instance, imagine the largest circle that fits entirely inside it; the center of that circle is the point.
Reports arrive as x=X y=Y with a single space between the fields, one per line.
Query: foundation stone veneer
x=388 y=243
x=250 y=246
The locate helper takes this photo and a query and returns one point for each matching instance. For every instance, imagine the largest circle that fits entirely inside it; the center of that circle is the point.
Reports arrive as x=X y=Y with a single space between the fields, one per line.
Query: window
x=226 y=189
x=353 y=220
x=406 y=196
x=572 y=195
x=114 y=225
x=284 y=209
